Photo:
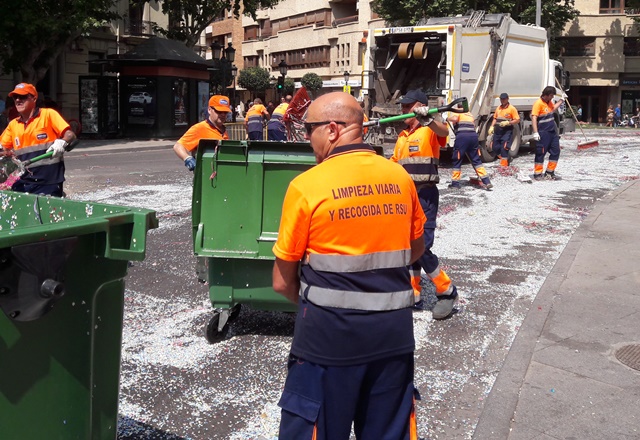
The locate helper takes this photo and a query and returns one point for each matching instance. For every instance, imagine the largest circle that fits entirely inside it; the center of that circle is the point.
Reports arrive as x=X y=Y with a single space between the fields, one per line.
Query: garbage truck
x=477 y=56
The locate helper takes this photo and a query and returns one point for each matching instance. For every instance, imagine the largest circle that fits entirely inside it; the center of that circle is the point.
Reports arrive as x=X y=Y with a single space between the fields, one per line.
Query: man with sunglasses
x=211 y=128
x=35 y=132
x=418 y=151
x=349 y=227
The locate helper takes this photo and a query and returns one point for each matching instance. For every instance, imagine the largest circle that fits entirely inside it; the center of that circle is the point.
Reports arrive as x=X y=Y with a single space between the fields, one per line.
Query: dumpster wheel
x=212 y=332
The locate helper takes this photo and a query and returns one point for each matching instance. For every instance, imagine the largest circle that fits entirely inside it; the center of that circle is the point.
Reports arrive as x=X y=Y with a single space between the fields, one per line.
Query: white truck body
x=477 y=56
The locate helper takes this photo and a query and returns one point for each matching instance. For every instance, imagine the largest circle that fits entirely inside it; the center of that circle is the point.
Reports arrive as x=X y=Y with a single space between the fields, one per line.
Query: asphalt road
x=497 y=247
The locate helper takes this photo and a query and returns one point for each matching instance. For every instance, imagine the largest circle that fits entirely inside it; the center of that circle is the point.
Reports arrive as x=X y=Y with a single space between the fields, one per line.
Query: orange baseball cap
x=220 y=103
x=24 y=89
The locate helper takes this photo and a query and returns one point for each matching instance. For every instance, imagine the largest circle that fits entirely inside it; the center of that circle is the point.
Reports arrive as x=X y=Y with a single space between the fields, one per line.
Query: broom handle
x=575 y=118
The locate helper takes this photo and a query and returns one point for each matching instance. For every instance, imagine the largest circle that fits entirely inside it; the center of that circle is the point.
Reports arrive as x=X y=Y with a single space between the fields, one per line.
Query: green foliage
x=289 y=86
x=255 y=79
x=33 y=33
x=311 y=81
x=189 y=18
x=554 y=15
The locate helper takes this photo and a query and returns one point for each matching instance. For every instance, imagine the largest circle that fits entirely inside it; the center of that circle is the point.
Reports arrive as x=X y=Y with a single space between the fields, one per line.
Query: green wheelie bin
x=238 y=191
x=62 y=269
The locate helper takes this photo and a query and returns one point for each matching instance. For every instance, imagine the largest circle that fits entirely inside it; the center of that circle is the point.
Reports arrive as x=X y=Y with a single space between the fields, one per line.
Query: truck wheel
x=212 y=334
x=486 y=155
x=516 y=141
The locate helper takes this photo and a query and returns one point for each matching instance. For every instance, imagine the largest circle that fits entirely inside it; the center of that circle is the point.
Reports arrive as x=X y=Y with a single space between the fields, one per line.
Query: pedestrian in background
x=349 y=227
x=34 y=132
x=466 y=144
x=418 y=151
x=255 y=119
x=579 y=113
x=545 y=133
x=617 y=116
x=211 y=128
x=610 y=116
x=504 y=118
x=276 y=130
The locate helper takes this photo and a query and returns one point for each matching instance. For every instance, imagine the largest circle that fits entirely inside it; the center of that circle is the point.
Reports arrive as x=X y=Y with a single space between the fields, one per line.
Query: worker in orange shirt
x=275 y=128
x=350 y=225
x=466 y=144
x=211 y=128
x=254 y=120
x=418 y=151
x=504 y=118
x=545 y=133
x=34 y=132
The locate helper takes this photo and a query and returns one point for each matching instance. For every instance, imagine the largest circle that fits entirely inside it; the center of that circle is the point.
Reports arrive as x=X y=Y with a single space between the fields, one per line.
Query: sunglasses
x=308 y=126
x=21 y=97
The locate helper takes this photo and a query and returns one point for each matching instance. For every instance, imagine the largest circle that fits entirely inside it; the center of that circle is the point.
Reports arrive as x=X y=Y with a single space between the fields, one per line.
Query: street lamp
x=283 y=72
x=222 y=60
x=346 y=78
x=283 y=67
x=234 y=72
x=346 y=88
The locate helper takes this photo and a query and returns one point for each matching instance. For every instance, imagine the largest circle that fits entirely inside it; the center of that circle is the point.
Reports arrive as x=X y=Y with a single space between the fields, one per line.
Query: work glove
x=58 y=147
x=190 y=163
x=536 y=136
x=505 y=124
x=490 y=131
x=423 y=116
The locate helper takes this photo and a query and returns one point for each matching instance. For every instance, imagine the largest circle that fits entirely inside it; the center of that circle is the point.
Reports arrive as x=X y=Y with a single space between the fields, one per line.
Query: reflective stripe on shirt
x=371 y=301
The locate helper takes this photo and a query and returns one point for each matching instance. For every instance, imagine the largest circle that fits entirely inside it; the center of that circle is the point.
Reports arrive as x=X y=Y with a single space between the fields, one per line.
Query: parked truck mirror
x=566 y=81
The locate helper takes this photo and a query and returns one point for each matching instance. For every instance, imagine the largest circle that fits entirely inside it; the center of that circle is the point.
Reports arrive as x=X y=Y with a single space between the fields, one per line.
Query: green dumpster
x=238 y=190
x=62 y=265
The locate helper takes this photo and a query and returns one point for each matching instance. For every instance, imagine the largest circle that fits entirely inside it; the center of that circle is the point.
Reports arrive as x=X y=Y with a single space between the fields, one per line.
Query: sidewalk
x=561 y=378
x=129 y=144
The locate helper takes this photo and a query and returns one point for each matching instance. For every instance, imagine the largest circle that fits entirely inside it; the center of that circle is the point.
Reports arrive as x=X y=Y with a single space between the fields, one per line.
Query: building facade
x=601 y=49
x=327 y=38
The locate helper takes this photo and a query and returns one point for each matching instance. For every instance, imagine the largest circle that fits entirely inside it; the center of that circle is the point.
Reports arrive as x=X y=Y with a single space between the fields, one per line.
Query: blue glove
x=190 y=163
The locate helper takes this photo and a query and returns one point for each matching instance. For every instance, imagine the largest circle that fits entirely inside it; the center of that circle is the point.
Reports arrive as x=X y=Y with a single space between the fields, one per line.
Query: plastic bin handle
x=137 y=245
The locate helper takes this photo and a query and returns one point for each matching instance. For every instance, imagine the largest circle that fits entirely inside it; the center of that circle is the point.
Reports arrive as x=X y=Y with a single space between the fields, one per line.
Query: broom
x=587 y=143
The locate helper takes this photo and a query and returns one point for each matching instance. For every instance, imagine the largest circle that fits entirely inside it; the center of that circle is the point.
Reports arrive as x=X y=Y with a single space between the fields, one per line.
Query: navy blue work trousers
x=377 y=397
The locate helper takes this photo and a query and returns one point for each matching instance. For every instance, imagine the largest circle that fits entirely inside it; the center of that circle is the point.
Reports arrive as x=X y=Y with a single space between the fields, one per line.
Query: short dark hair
x=549 y=90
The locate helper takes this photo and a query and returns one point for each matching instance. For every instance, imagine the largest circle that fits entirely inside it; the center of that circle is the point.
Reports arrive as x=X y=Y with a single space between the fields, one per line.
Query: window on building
x=95 y=68
x=632 y=46
x=578 y=46
x=612 y=6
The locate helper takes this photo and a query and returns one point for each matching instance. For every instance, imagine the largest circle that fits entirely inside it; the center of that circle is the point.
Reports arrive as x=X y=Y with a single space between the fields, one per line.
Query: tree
x=554 y=15
x=311 y=81
x=289 y=86
x=34 y=33
x=255 y=79
x=189 y=18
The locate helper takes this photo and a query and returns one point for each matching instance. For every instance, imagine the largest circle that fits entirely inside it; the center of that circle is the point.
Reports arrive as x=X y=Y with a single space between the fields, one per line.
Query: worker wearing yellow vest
x=466 y=144
x=275 y=128
x=254 y=120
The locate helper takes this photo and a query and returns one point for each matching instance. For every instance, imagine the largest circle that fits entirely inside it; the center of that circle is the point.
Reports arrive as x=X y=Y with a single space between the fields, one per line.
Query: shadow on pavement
x=130 y=429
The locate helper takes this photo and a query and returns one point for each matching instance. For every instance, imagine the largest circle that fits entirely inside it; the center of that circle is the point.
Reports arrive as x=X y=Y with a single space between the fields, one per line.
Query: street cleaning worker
x=275 y=127
x=37 y=131
x=504 y=118
x=418 y=151
x=545 y=133
x=211 y=128
x=466 y=144
x=254 y=120
x=350 y=226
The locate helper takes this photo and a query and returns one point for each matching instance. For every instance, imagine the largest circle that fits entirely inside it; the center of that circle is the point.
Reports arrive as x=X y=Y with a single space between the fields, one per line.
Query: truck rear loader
x=478 y=56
